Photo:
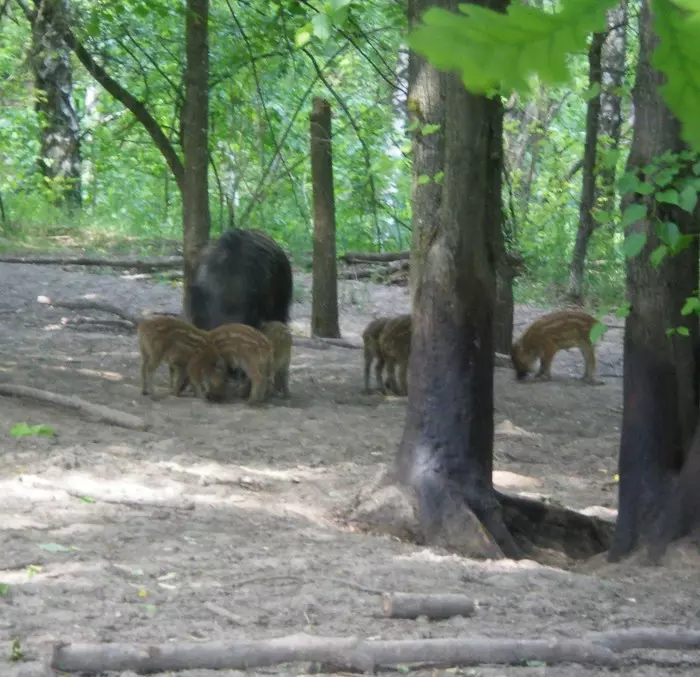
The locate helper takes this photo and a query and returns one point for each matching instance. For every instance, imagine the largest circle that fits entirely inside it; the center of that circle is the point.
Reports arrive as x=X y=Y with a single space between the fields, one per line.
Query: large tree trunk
x=446 y=453
x=324 y=301
x=195 y=195
x=613 y=64
x=659 y=413
x=53 y=79
x=587 y=223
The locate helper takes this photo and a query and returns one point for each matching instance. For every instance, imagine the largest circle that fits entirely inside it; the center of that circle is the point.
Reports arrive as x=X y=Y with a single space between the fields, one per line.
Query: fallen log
x=98 y=411
x=320 y=343
x=377 y=272
x=349 y=654
x=406 y=605
x=352 y=258
x=143 y=264
x=501 y=360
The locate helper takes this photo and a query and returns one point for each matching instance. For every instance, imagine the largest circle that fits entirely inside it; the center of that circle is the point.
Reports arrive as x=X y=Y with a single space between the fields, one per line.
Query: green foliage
x=497 y=52
x=26 y=430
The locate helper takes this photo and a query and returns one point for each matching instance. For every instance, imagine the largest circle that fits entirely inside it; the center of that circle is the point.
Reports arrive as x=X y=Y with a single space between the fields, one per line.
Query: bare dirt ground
x=185 y=532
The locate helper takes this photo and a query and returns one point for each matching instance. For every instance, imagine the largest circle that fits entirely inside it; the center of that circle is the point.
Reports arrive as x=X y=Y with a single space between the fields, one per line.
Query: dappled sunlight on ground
x=218 y=522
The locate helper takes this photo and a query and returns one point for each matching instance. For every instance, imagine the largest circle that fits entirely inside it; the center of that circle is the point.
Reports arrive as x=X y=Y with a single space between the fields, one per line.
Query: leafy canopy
x=501 y=52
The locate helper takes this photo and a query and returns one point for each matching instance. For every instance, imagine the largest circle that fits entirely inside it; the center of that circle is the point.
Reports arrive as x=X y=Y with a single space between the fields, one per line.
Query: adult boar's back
x=243 y=277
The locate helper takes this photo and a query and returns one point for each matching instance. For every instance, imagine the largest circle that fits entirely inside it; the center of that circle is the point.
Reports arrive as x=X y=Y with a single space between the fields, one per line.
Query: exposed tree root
x=349 y=654
x=555 y=528
x=549 y=534
x=145 y=264
x=97 y=411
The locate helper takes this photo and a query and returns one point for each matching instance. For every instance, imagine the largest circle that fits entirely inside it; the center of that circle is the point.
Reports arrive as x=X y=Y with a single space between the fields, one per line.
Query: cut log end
x=404 y=605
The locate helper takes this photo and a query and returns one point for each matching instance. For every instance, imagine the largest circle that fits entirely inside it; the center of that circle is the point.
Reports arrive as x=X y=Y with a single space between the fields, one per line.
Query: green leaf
x=624 y=310
x=691 y=305
x=628 y=183
x=668 y=197
x=658 y=255
x=632 y=214
x=25 y=430
x=688 y=199
x=668 y=233
x=677 y=55
x=303 y=35
x=429 y=128
x=494 y=51
x=603 y=216
x=634 y=244
x=592 y=92
x=423 y=179
x=645 y=188
x=4 y=589
x=322 y=26
x=696 y=168
x=597 y=330
x=412 y=126
x=439 y=176
x=683 y=331
x=665 y=176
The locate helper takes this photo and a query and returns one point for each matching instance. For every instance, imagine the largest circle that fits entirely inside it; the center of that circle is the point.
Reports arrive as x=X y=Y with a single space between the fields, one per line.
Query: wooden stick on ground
x=144 y=264
x=405 y=605
x=101 y=413
x=343 y=653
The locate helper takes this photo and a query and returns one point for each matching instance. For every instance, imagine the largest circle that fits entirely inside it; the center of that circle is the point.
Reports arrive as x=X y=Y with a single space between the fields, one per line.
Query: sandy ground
x=186 y=532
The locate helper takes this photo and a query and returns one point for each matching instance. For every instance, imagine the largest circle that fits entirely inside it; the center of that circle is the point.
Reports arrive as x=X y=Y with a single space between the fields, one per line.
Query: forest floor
x=218 y=522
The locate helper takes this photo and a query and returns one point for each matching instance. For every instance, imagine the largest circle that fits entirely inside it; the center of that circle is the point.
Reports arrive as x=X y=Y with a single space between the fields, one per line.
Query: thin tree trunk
x=587 y=223
x=58 y=121
x=613 y=64
x=324 y=301
x=659 y=413
x=446 y=453
x=195 y=195
x=509 y=268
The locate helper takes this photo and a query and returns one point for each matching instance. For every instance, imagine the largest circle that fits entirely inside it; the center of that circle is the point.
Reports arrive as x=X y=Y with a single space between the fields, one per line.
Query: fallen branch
x=123 y=325
x=351 y=654
x=646 y=638
x=404 y=605
x=165 y=274
x=374 y=272
x=101 y=413
x=85 y=304
x=501 y=360
x=352 y=258
x=145 y=265
x=324 y=343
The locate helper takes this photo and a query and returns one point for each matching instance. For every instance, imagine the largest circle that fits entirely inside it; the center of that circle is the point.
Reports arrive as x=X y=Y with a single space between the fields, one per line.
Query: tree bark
x=59 y=160
x=587 y=223
x=195 y=195
x=446 y=454
x=509 y=267
x=324 y=301
x=659 y=413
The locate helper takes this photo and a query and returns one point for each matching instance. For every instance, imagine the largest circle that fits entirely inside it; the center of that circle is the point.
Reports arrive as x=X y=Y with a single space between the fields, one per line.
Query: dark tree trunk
x=324 y=301
x=613 y=64
x=659 y=414
x=195 y=195
x=53 y=79
x=446 y=452
x=508 y=269
x=587 y=223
